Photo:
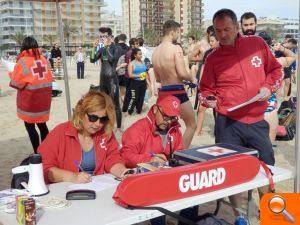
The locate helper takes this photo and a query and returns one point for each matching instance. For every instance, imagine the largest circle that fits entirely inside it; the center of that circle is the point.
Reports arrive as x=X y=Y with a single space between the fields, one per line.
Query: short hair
x=105 y=30
x=210 y=30
x=30 y=43
x=292 y=41
x=192 y=37
x=248 y=15
x=225 y=13
x=122 y=37
x=288 y=36
x=94 y=101
x=116 y=40
x=267 y=38
x=140 y=41
x=170 y=25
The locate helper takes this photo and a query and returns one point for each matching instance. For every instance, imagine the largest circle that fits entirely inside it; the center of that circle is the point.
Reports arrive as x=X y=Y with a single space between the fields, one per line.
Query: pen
x=155 y=155
x=78 y=166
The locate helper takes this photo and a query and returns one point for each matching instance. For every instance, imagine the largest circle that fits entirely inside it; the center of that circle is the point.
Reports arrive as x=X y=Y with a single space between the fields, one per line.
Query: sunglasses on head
x=168 y=118
x=93 y=118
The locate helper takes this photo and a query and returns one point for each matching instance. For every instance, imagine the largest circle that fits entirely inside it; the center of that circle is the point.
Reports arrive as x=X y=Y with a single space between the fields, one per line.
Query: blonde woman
x=76 y=150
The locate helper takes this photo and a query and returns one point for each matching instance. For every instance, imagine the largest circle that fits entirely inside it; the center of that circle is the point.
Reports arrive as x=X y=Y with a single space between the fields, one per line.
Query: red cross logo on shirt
x=256 y=61
x=39 y=69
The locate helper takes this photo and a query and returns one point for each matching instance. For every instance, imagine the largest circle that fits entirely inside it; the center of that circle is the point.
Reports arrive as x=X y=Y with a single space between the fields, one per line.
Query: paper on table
x=254 y=99
x=9 y=66
x=98 y=183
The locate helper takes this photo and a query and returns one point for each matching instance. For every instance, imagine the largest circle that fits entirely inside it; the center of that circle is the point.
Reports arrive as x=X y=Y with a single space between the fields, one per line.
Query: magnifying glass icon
x=277 y=205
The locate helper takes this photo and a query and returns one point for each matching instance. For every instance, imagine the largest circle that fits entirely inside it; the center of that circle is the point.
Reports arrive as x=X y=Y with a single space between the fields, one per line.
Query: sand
x=15 y=144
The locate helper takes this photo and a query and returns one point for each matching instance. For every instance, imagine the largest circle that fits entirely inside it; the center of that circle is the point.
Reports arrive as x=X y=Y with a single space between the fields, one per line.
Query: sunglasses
x=93 y=118
x=168 y=118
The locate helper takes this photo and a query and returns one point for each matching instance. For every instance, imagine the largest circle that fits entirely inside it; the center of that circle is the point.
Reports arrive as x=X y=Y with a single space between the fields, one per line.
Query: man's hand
x=211 y=101
x=159 y=158
x=95 y=44
x=265 y=93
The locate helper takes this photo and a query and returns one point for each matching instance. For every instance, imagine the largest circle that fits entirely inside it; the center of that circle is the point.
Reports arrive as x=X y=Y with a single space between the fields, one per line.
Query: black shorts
x=176 y=90
x=255 y=135
x=287 y=72
x=123 y=80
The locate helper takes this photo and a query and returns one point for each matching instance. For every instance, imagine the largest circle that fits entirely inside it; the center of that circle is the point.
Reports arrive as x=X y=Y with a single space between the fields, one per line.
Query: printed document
x=254 y=99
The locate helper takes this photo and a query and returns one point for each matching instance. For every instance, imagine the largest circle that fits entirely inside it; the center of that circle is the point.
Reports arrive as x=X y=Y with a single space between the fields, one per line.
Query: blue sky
x=271 y=8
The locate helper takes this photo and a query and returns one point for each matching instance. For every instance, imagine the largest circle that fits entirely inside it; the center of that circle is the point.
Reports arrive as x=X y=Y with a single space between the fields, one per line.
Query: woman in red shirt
x=85 y=146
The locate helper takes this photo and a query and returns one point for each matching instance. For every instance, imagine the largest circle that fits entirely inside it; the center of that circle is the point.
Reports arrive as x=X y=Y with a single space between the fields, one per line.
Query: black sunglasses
x=93 y=118
x=168 y=118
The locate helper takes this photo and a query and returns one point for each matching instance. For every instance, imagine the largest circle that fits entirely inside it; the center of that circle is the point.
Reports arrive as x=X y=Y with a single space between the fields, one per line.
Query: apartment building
x=39 y=19
x=141 y=14
x=113 y=21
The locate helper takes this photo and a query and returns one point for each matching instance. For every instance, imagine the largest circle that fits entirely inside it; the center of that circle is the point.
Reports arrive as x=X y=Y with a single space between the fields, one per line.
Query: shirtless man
x=170 y=71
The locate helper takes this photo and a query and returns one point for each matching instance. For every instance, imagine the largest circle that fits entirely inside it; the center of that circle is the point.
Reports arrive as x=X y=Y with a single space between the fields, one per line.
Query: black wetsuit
x=109 y=83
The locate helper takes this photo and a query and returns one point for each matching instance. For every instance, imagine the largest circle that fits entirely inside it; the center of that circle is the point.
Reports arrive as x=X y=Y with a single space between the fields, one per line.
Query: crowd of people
x=227 y=66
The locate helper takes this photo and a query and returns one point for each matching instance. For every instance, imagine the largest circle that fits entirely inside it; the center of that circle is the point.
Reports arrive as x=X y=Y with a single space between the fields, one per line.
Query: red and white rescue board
x=185 y=181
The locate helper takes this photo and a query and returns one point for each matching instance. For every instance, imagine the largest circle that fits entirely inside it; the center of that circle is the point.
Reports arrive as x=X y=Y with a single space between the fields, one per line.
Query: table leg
x=249 y=206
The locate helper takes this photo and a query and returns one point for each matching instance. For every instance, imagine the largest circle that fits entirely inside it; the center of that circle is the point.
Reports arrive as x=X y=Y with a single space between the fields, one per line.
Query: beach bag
x=122 y=70
x=287 y=120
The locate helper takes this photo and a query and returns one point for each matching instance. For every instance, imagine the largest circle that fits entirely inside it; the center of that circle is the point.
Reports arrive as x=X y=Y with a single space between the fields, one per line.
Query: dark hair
x=267 y=38
x=132 y=41
x=248 y=15
x=293 y=41
x=225 y=13
x=141 y=41
x=105 y=30
x=122 y=37
x=134 y=52
x=116 y=40
x=210 y=30
x=170 y=25
x=30 y=43
x=192 y=37
x=288 y=36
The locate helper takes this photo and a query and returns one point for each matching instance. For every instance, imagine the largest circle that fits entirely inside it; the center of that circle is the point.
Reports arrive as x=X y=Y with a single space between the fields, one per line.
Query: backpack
x=287 y=120
x=122 y=70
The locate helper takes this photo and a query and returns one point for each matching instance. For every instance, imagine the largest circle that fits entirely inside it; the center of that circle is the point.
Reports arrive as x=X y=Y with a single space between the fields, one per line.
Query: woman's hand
x=81 y=178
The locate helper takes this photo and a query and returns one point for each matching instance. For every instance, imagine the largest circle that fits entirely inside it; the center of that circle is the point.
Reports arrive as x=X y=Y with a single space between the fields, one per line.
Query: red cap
x=169 y=104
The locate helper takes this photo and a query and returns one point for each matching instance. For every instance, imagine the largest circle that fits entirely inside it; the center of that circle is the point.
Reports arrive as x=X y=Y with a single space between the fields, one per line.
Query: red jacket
x=33 y=80
x=235 y=74
x=140 y=139
x=61 y=148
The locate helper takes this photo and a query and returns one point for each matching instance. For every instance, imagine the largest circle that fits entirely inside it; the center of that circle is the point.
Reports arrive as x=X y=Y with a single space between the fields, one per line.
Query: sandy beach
x=15 y=144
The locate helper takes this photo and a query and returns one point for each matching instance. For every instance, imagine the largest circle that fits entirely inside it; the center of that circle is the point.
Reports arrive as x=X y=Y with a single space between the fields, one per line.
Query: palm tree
x=194 y=31
x=50 y=39
x=151 y=37
x=69 y=29
x=18 y=38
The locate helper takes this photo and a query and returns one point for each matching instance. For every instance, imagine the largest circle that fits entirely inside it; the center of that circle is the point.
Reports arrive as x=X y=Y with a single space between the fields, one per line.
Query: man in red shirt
x=154 y=137
x=239 y=69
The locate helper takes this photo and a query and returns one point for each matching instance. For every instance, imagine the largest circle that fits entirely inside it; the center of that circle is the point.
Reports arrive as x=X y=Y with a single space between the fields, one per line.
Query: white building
x=112 y=21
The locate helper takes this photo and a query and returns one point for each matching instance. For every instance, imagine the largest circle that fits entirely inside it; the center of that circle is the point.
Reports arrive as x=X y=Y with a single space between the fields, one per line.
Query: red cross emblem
x=256 y=61
x=39 y=69
x=219 y=150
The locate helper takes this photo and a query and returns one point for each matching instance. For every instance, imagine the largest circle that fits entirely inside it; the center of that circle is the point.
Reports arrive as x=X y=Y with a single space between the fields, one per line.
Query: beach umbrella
x=63 y=51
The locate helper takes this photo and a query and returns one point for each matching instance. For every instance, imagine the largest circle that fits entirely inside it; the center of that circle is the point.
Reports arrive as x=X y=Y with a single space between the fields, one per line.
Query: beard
x=249 y=32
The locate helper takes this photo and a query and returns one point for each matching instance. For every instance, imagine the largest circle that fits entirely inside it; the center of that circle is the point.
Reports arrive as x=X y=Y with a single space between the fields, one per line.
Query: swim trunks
x=176 y=90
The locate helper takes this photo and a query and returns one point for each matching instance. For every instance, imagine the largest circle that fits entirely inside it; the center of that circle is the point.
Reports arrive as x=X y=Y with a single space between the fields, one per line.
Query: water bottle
x=240 y=220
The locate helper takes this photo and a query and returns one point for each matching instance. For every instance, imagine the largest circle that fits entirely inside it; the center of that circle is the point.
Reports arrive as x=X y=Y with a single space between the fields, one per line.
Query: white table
x=104 y=211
